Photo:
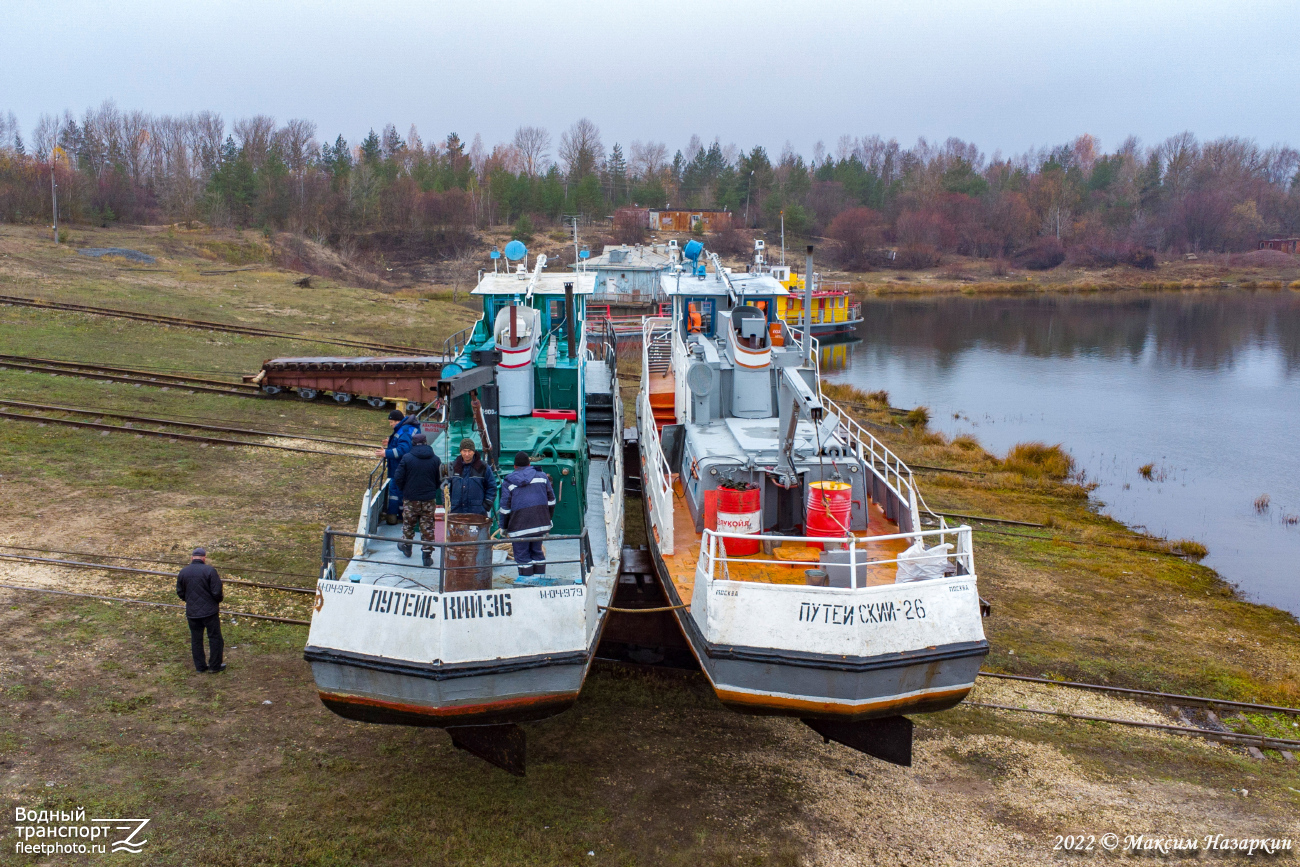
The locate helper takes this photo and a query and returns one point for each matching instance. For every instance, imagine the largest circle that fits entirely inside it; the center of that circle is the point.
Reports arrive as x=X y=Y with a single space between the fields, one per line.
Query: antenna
x=724 y=276
x=537 y=273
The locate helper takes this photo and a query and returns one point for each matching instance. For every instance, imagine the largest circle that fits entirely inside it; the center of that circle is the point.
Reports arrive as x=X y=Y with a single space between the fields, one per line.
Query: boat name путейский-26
x=787 y=536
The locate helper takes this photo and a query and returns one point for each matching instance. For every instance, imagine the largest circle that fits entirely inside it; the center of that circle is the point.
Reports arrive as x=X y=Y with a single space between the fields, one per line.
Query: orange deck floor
x=686 y=554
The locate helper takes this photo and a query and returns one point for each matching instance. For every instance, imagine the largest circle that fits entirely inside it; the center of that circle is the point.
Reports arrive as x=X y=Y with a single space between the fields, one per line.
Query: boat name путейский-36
x=467 y=643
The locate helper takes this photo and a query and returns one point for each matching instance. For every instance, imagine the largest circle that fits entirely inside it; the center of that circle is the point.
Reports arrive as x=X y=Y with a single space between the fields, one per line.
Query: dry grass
x=1039 y=460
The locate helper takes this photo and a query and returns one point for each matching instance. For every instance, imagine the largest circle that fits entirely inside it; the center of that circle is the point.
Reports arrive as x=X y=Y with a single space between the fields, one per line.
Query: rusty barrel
x=469 y=567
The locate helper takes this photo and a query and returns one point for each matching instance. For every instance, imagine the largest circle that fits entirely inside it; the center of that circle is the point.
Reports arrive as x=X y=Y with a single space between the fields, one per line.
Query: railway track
x=80 y=564
x=202 y=325
x=1284 y=745
x=106 y=373
x=1175 y=698
x=1262 y=742
x=103 y=413
x=168 y=561
x=174 y=436
x=171 y=605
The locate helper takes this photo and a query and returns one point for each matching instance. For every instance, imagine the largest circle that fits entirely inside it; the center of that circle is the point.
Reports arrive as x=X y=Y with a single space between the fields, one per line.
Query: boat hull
x=825 y=329
x=508 y=691
x=775 y=682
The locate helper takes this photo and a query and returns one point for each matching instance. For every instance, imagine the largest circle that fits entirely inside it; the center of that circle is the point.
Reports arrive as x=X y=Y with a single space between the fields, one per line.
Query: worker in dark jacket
x=527 y=508
x=418 y=475
x=399 y=443
x=472 y=482
x=199 y=586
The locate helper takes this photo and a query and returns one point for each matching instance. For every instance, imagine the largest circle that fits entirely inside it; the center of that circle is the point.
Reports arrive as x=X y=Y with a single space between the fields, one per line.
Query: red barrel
x=828 y=509
x=740 y=510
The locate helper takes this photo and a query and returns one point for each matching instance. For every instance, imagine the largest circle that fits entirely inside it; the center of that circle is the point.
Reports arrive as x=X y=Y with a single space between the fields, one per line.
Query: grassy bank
x=1086 y=597
x=101 y=708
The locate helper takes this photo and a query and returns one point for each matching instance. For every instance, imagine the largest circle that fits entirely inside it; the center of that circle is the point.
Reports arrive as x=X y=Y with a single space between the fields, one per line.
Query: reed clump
x=1189 y=548
x=1040 y=460
x=918 y=417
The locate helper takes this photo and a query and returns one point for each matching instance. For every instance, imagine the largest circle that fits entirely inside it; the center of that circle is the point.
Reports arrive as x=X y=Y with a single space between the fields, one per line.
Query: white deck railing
x=713 y=553
x=658 y=477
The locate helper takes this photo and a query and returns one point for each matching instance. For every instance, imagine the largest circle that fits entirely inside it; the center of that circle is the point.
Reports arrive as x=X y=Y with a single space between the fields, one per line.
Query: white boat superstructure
x=467 y=643
x=788 y=536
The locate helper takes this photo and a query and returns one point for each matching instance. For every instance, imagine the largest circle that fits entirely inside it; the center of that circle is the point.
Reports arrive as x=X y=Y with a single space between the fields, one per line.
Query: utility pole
x=783 y=236
x=748 y=189
x=54 y=192
x=807 y=306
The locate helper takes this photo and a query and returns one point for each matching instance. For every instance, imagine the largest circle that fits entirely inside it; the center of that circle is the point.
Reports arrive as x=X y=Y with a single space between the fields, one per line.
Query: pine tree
x=371 y=150
x=616 y=170
x=19 y=147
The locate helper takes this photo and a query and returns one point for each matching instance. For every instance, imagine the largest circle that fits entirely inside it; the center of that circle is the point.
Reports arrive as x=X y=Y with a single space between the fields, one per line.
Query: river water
x=1203 y=385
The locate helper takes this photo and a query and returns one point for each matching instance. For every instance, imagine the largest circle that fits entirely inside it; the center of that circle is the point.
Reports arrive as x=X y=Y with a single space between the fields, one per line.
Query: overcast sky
x=1006 y=75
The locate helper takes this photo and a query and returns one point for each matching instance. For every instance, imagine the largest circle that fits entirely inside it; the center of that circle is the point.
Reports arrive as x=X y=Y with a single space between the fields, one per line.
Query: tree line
x=870 y=195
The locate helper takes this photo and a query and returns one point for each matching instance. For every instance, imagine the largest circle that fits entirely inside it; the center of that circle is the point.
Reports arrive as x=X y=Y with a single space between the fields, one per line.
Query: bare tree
x=534 y=145
x=209 y=133
x=46 y=135
x=581 y=149
x=8 y=129
x=254 y=135
x=647 y=160
x=297 y=141
x=478 y=155
x=693 y=147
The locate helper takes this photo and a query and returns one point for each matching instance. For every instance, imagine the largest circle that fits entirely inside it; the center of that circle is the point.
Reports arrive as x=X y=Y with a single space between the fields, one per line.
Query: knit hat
x=467 y=443
x=419 y=439
x=396 y=415
x=521 y=459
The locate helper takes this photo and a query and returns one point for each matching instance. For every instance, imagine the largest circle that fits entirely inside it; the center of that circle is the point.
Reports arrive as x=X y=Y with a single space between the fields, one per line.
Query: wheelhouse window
x=700 y=315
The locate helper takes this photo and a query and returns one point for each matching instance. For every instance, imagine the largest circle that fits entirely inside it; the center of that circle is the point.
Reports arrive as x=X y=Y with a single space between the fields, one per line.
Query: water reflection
x=1204 y=385
x=1205 y=330
x=836 y=356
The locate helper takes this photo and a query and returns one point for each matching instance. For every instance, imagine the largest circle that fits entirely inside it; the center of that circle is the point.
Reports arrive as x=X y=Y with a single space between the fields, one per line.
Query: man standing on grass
x=527 y=509
x=418 y=475
x=199 y=587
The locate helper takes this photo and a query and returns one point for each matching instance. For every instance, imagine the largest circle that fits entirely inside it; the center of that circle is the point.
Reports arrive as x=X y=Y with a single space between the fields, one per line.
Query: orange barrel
x=740 y=510
x=774 y=332
x=828 y=509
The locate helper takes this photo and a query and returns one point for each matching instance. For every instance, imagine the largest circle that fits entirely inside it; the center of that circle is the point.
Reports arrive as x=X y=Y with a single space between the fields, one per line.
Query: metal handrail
x=329 y=558
x=709 y=558
x=452 y=346
x=658 y=474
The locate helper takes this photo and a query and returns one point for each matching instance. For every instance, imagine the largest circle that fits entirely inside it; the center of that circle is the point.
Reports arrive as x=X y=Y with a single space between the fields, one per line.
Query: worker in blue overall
x=527 y=509
x=399 y=443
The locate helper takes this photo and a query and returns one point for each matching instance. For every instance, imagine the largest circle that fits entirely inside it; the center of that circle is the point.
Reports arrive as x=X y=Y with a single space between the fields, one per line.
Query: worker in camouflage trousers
x=527 y=509
x=418 y=475
x=399 y=443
